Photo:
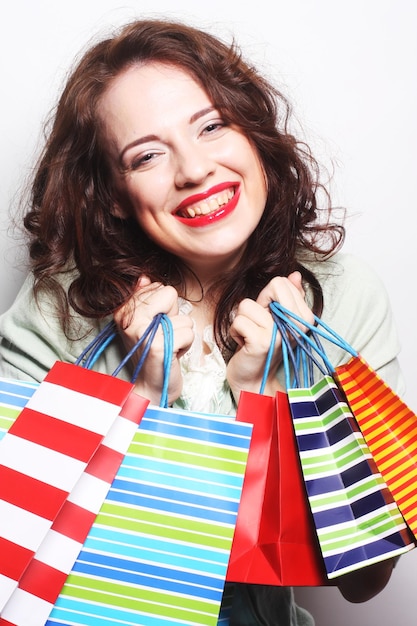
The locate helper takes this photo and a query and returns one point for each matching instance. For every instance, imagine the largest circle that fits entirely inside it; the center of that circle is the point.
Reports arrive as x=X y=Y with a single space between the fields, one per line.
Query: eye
x=213 y=127
x=142 y=160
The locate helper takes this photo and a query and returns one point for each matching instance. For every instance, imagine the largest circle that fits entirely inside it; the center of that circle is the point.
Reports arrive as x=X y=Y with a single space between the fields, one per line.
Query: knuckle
x=171 y=291
x=277 y=282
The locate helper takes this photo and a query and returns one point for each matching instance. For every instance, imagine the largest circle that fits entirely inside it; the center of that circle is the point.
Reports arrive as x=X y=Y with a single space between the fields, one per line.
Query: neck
x=205 y=273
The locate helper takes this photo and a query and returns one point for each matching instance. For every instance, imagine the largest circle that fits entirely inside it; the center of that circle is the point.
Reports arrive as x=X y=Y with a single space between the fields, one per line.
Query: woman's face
x=195 y=185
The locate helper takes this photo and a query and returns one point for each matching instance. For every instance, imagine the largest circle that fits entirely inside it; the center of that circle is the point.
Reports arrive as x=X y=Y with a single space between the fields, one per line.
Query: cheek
x=136 y=200
x=264 y=187
x=148 y=193
x=262 y=181
x=150 y=219
x=259 y=184
x=249 y=163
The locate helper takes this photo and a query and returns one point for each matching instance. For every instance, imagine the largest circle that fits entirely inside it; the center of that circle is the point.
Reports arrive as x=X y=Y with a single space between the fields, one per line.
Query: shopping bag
x=390 y=430
x=248 y=562
x=32 y=585
x=42 y=580
x=388 y=425
x=275 y=541
x=164 y=531
x=43 y=455
x=300 y=556
x=158 y=550
x=357 y=520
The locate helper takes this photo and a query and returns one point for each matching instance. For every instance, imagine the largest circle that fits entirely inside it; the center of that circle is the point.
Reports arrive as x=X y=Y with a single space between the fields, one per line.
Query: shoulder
x=32 y=337
x=41 y=313
x=352 y=288
x=357 y=307
x=348 y=274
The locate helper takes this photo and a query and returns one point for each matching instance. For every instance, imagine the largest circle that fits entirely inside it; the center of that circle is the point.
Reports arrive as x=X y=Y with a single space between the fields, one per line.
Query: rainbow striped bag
x=177 y=549
x=357 y=520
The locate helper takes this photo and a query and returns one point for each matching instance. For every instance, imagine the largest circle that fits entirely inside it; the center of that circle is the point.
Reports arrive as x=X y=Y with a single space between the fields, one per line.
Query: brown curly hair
x=70 y=222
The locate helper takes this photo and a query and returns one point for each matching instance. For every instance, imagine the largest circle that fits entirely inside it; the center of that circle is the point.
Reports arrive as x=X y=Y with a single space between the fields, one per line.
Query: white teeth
x=210 y=205
x=213 y=203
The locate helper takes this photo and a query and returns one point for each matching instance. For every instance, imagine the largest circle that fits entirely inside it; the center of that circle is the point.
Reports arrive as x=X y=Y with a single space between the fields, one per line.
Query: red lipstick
x=203 y=220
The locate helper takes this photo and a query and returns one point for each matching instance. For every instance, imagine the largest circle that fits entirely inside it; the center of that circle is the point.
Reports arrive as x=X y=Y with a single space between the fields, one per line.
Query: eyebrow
x=137 y=142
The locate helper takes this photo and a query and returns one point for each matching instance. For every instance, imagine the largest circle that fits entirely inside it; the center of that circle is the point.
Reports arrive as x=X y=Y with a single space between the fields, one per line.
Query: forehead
x=151 y=83
x=149 y=101
x=149 y=98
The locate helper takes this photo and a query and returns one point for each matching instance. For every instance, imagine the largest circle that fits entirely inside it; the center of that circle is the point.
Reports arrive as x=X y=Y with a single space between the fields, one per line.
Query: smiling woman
x=169 y=183
x=193 y=182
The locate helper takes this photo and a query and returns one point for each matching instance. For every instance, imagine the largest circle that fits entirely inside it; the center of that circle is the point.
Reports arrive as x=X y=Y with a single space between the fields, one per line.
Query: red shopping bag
x=274 y=541
x=300 y=556
x=83 y=423
x=248 y=562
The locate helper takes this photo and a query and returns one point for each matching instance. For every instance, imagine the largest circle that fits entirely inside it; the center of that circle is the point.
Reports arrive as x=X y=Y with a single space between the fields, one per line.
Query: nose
x=192 y=165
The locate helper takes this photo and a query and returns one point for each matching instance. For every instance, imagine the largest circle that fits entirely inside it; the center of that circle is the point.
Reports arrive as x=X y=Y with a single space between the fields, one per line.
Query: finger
x=250 y=335
x=145 y=291
x=183 y=334
x=297 y=280
x=255 y=312
x=157 y=298
x=278 y=288
x=124 y=313
x=290 y=295
x=144 y=281
x=252 y=326
x=147 y=302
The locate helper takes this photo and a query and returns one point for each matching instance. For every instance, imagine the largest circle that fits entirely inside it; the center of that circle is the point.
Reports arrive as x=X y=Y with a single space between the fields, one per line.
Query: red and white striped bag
x=68 y=441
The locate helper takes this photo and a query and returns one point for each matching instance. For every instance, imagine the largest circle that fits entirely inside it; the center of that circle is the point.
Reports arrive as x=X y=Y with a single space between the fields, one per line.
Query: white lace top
x=205 y=388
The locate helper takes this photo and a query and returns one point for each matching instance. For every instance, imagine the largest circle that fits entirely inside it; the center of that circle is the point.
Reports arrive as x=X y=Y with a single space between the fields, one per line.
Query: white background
x=349 y=68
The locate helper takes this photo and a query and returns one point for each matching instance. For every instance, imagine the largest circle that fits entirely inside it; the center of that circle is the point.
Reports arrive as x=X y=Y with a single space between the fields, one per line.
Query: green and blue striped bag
x=158 y=551
x=357 y=520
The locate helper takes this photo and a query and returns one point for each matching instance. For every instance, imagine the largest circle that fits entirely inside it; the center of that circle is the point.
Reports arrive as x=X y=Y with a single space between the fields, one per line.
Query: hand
x=252 y=331
x=365 y=583
x=135 y=316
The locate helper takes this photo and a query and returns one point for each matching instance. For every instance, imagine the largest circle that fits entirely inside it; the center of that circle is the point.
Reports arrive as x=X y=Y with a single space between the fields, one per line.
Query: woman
x=170 y=183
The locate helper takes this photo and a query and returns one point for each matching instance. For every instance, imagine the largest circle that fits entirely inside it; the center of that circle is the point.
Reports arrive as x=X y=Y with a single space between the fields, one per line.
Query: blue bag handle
x=318 y=329
x=280 y=326
x=96 y=347
x=295 y=358
x=91 y=353
x=300 y=349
